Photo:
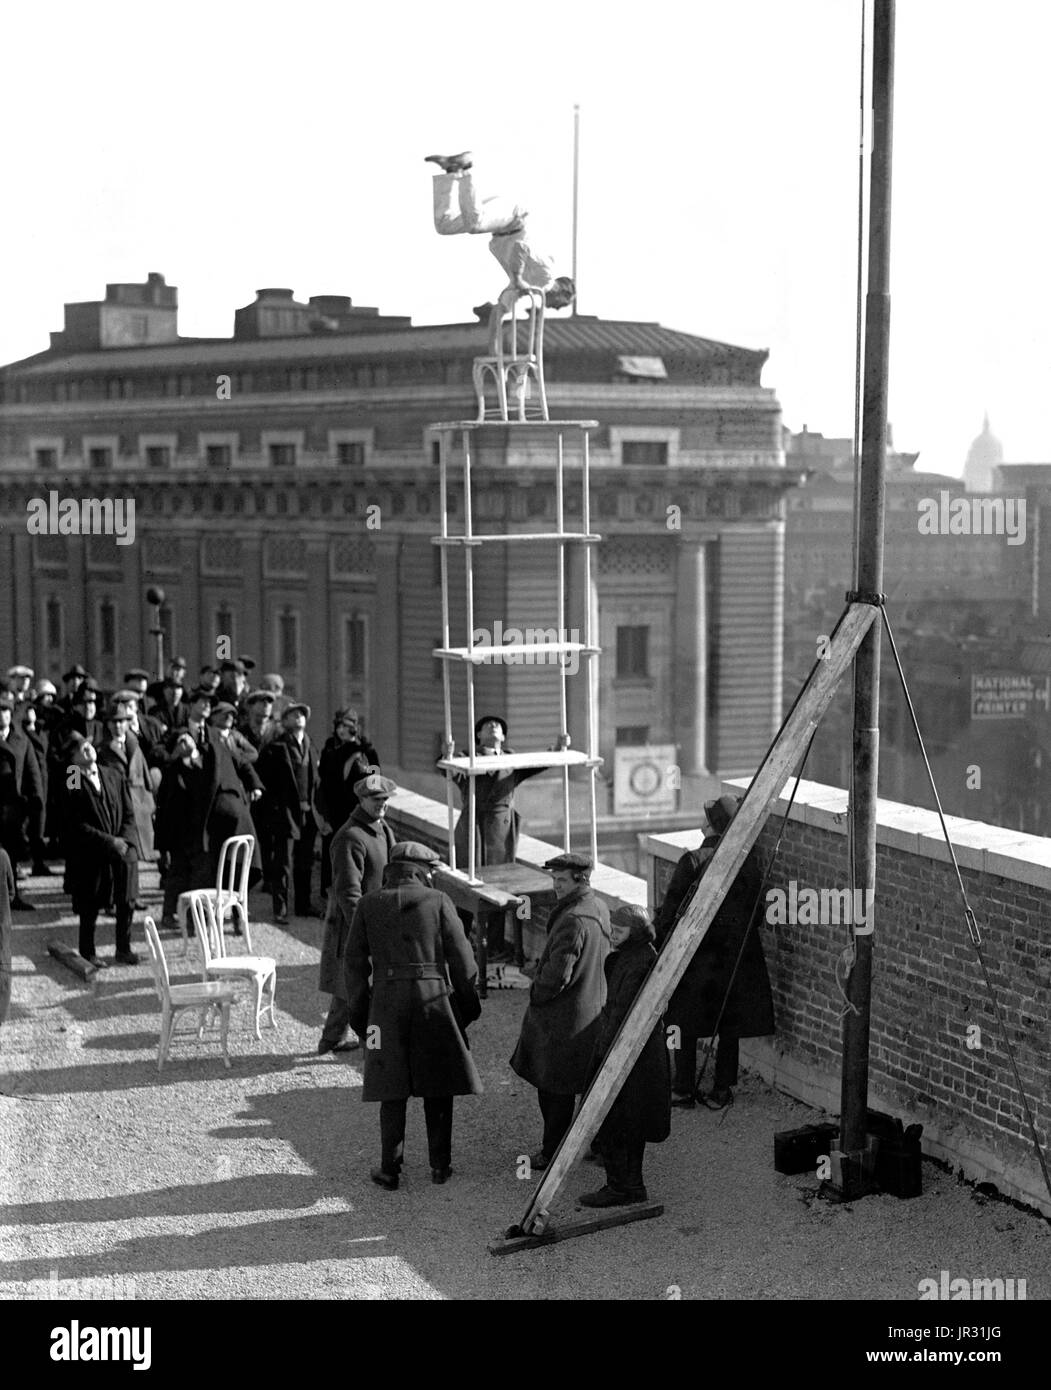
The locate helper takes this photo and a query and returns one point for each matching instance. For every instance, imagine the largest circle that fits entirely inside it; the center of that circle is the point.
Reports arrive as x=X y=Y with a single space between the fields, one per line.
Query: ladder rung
x=487 y=653
x=581 y=536
x=484 y=764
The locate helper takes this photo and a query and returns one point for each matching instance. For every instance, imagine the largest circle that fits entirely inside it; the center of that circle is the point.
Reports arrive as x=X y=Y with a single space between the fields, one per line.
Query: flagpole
x=576 y=190
x=868 y=580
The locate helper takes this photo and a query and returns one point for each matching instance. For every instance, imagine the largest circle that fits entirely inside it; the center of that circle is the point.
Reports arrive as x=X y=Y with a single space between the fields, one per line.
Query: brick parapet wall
x=928 y=986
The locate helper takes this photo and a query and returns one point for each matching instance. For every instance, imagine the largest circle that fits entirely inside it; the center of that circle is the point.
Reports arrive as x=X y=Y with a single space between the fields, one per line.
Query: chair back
x=231 y=880
x=158 y=964
x=205 y=927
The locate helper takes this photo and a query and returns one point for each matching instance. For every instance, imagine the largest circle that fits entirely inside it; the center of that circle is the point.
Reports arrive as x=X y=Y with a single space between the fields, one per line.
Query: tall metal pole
x=576 y=188
x=869 y=582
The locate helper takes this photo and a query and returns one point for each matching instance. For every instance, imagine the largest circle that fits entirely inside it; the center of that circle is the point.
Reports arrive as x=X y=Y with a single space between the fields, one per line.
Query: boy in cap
x=360 y=851
x=641 y=1111
x=408 y=939
x=726 y=988
x=565 y=1001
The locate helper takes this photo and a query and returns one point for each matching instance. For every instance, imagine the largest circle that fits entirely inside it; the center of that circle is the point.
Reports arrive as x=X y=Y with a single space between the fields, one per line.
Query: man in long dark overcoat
x=102 y=861
x=641 y=1112
x=568 y=991
x=7 y=890
x=414 y=1019
x=360 y=851
x=288 y=767
x=346 y=758
x=701 y=1005
x=21 y=788
x=121 y=750
x=203 y=799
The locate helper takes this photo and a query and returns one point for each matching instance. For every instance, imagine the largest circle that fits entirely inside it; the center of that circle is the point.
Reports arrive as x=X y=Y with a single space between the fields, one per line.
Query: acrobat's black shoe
x=451 y=163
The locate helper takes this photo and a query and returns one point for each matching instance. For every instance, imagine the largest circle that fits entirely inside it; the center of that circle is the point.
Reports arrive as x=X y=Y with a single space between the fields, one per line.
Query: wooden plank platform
x=577 y=1226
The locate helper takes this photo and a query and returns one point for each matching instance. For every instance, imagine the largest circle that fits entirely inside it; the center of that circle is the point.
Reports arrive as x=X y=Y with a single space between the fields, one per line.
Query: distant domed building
x=985 y=454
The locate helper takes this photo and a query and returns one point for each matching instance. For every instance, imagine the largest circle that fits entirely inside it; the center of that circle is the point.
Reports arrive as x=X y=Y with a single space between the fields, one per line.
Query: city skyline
x=731 y=153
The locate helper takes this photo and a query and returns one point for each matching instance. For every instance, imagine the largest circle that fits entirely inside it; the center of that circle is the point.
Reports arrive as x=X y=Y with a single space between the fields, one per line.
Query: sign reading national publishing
x=1009 y=697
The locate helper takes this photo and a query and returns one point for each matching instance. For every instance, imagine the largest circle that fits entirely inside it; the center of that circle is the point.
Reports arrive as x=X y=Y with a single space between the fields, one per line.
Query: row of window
x=350 y=453
x=286 y=644
x=345 y=453
x=361 y=375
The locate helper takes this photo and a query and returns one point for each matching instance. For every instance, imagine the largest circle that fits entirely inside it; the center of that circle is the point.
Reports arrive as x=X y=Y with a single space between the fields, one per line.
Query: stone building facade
x=285 y=489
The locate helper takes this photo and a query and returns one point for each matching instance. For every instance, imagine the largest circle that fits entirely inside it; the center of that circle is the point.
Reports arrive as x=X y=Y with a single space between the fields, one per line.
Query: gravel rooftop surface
x=253 y=1182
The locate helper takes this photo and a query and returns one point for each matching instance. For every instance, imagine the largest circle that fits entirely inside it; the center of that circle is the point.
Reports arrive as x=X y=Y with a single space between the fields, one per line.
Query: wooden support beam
x=72 y=960
x=767 y=784
x=578 y=1226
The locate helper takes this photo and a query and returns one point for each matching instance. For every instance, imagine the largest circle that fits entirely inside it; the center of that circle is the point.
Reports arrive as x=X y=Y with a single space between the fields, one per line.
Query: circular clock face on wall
x=645 y=779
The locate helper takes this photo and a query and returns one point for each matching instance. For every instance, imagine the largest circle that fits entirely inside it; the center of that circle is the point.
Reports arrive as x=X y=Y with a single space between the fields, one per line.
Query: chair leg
x=272 y=993
x=258 y=993
x=224 y=1032
x=167 y=1021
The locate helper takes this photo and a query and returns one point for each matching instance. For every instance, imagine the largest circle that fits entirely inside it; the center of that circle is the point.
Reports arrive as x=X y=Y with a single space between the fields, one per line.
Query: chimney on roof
x=131 y=315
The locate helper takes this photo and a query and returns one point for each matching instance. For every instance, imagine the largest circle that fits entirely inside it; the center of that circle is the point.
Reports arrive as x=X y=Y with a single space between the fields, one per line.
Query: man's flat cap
x=260 y=697
x=137 y=675
x=45 y=687
x=376 y=785
x=223 y=707
x=21 y=671
x=201 y=693
x=297 y=708
x=124 y=697
x=413 y=852
x=237 y=666
x=76 y=670
x=570 y=861
x=247 y=662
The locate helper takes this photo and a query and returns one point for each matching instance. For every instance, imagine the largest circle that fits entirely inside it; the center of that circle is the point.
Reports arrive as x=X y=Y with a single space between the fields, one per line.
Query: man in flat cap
x=147 y=728
x=360 y=851
x=565 y=1001
x=346 y=757
x=726 y=988
x=165 y=698
x=121 y=750
x=19 y=679
x=423 y=995
x=288 y=768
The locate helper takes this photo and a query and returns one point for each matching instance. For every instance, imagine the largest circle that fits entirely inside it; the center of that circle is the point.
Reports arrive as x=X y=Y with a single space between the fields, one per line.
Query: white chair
x=230 y=894
x=176 y=999
x=259 y=971
x=511 y=370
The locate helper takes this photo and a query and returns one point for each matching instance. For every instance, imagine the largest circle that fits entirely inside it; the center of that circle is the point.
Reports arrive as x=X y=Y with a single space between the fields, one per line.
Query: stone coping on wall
x=985 y=848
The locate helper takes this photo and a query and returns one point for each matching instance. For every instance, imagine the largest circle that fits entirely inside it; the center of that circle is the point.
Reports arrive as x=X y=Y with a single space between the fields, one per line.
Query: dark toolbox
x=798 y=1150
x=899 y=1160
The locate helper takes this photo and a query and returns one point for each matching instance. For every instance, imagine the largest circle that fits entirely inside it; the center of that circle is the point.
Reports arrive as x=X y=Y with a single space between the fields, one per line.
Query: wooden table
x=502 y=889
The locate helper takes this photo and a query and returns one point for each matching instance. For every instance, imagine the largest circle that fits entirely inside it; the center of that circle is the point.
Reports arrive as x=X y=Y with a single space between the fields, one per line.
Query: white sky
x=238 y=145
